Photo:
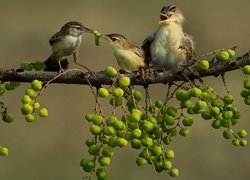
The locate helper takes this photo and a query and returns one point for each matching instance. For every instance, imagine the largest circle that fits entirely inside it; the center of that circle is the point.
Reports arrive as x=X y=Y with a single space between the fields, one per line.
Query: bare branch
x=75 y=77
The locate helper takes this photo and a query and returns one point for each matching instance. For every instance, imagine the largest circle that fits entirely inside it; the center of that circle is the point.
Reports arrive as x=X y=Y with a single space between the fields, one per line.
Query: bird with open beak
x=169 y=46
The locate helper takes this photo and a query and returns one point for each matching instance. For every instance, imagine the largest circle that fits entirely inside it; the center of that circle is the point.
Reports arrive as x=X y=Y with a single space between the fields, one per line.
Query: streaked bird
x=129 y=56
x=64 y=43
x=169 y=46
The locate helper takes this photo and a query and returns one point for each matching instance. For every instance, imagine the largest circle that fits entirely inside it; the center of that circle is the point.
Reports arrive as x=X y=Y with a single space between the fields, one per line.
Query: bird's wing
x=188 y=45
x=146 y=48
x=140 y=52
x=55 y=38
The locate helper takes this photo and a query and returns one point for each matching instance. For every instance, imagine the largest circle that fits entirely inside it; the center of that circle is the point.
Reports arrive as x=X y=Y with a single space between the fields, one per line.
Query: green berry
x=110 y=121
x=203 y=65
x=134 y=117
x=227 y=114
x=26 y=65
x=117 y=92
x=222 y=56
x=147 y=126
x=140 y=161
x=183 y=95
x=9 y=117
x=216 y=124
x=104 y=161
x=102 y=175
x=169 y=120
x=185 y=104
x=174 y=172
x=247 y=83
x=124 y=82
x=4 y=151
x=103 y=92
x=244 y=93
x=136 y=143
x=156 y=150
x=119 y=125
x=214 y=111
x=36 y=106
x=89 y=116
x=201 y=104
x=29 y=118
x=26 y=99
x=236 y=142
x=158 y=103
x=136 y=133
x=26 y=109
x=90 y=142
x=242 y=133
x=137 y=96
x=166 y=165
x=169 y=154
x=94 y=149
x=36 y=85
x=15 y=84
x=109 y=130
x=228 y=99
x=147 y=141
x=108 y=151
x=172 y=111
x=247 y=101
x=227 y=134
x=97 y=120
x=206 y=115
x=243 y=142
x=184 y=132
x=246 y=69
x=43 y=112
x=39 y=65
x=231 y=53
x=110 y=72
x=121 y=142
x=195 y=92
x=188 y=121
x=2 y=90
x=9 y=87
x=95 y=130
x=31 y=93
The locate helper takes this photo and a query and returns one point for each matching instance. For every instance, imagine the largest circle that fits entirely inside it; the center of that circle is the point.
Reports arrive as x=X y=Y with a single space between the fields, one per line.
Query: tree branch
x=76 y=77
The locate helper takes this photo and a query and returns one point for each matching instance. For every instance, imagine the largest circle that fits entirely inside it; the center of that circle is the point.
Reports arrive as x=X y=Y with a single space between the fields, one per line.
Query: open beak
x=163 y=17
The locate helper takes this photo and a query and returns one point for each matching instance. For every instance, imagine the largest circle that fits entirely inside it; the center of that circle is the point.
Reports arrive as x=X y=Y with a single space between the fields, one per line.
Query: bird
x=169 y=46
x=64 y=43
x=130 y=57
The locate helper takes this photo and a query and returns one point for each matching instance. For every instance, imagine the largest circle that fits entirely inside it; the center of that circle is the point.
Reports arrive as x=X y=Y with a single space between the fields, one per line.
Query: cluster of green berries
x=212 y=107
x=4 y=151
x=37 y=65
x=220 y=56
x=11 y=85
x=30 y=105
x=246 y=92
x=136 y=128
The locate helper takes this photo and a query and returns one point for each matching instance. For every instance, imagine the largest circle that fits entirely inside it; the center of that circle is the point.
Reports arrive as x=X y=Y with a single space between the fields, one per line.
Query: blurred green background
x=51 y=148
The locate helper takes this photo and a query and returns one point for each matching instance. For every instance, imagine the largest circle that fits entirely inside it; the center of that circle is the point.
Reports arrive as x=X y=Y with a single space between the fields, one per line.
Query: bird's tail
x=53 y=65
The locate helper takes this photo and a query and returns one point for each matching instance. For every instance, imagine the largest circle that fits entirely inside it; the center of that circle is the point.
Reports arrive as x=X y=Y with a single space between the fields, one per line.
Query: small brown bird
x=64 y=43
x=169 y=46
x=129 y=56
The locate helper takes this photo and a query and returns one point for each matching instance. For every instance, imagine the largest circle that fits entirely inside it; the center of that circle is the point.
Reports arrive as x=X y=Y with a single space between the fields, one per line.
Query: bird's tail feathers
x=53 y=65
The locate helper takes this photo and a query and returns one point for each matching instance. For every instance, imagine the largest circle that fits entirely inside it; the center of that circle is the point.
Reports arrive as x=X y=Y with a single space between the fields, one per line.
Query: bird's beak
x=106 y=37
x=87 y=30
x=163 y=17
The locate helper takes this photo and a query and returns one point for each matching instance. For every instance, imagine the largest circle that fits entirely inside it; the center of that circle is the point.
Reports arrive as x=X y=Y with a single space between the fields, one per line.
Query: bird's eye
x=114 y=39
x=169 y=15
x=78 y=27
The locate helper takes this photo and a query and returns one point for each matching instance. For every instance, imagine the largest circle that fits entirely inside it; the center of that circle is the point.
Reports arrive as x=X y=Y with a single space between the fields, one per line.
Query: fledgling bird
x=169 y=46
x=64 y=43
x=129 y=56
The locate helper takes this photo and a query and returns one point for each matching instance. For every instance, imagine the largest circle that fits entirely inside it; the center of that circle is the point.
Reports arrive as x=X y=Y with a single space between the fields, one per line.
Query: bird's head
x=116 y=41
x=75 y=28
x=171 y=14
